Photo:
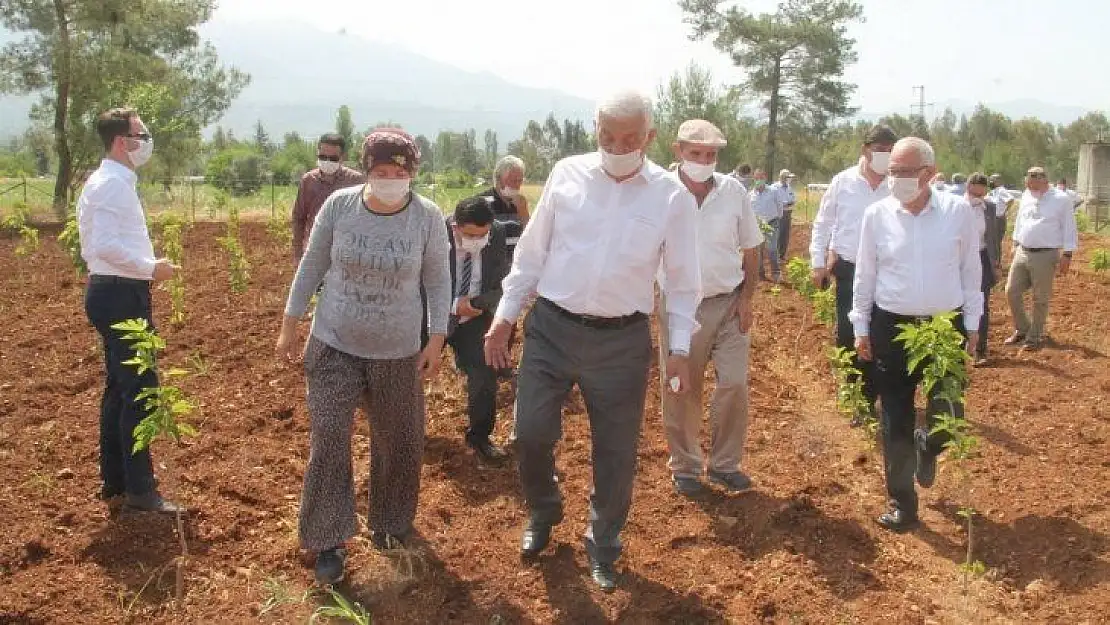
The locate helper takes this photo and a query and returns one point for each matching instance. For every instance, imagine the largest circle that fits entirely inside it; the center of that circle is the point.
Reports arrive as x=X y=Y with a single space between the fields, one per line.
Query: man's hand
x=164 y=270
x=863 y=348
x=1065 y=265
x=678 y=367
x=497 y=344
x=972 y=341
x=287 y=341
x=820 y=276
x=744 y=313
x=464 y=309
x=428 y=363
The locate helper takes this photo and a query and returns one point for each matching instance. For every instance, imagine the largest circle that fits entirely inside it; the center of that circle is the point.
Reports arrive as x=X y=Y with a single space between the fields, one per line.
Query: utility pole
x=919 y=91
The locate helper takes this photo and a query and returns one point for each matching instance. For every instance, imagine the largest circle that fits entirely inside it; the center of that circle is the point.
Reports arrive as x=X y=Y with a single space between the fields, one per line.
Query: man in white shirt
x=1045 y=237
x=785 y=189
x=117 y=249
x=728 y=240
x=767 y=203
x=606 y=223
x=1073 y=195
x=918 y=257
x=959 y=184
x=836 y=227
x=1002 y=199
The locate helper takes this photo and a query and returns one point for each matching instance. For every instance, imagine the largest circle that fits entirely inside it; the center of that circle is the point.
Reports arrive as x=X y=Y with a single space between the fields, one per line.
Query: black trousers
x=468 y=341
x=108 y=301
x=897 y=389
x=989 y=280
x=845 y=272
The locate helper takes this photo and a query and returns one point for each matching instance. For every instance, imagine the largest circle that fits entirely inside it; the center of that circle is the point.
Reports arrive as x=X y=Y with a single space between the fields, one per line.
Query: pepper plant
x=823 y=300
x=935 y=349
x=238 y=265
x=279 y=228
x=166 y=406
x=1100 y=261
x=70 y=240
x=850 y=399
x=19 y=222
x=175 y=252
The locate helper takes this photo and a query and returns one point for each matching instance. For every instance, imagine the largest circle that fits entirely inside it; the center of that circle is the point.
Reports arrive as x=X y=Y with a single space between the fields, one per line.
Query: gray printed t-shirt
x=372 y=267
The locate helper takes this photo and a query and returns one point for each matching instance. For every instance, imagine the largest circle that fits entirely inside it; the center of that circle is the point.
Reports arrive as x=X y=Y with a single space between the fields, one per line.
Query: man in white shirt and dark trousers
x=1002 y=198
x=918 y=257
x=117 y=249
x=606 y=224
x=767 y=204
x=835 y=236
x=728 y=244
x=1045 y=237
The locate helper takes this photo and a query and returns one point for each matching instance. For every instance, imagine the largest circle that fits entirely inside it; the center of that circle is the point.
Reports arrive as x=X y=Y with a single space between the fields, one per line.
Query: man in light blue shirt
x=767 y=203
x=784 y=187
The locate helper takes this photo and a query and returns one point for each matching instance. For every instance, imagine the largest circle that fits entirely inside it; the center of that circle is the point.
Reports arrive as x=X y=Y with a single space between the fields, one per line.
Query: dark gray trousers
x=610 y=367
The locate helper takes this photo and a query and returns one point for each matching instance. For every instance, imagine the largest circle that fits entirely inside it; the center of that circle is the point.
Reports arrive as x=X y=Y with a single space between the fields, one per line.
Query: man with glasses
x=116 y=246
x=1045 y=237
x=329 y=176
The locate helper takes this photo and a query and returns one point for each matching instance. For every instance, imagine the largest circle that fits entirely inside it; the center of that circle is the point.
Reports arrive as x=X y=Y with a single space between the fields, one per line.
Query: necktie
x=463 y=287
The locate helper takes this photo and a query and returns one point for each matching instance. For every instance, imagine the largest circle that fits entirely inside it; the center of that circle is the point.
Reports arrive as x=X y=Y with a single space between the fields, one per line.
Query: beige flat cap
x=701 y=132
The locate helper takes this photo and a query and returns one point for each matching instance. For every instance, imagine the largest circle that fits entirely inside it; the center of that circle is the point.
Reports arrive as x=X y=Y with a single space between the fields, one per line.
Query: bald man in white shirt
x=117 y=249
x=918 y=257
x=606 y=223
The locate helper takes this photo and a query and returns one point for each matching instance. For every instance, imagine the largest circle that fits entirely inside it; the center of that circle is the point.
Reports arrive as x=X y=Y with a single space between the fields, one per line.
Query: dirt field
x=802 y=548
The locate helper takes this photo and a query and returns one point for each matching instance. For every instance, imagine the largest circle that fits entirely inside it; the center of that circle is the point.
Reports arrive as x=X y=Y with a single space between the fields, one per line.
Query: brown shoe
x=1014 y=339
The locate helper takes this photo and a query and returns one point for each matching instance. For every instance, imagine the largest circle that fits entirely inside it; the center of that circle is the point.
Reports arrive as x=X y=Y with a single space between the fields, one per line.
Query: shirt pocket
x=641 y=240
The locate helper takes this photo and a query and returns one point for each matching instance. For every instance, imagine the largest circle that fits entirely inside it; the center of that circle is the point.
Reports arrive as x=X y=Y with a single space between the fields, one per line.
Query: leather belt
x=595 y=322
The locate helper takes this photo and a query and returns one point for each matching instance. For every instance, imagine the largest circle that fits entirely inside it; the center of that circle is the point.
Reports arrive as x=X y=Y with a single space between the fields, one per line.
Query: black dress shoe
x=487 y=451
x=898 y=520
x=151 y=502
x=926 y=460
x=536 y=536
x=604 y=575
x=330 y=565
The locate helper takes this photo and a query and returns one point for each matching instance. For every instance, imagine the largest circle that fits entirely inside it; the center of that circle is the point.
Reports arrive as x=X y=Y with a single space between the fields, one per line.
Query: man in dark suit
x=479 y=261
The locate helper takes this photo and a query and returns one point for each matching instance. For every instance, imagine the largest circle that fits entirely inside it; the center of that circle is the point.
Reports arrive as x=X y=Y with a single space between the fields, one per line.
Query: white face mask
x=621 y=165
x=389 y=190
x=140 y=155
x=879 y=162
x=473 y=246
x=905 y=190
x=328 y=167
x=697 y=171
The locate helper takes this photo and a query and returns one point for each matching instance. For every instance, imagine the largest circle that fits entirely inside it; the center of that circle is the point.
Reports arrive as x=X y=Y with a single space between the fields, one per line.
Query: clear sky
x=974 y=50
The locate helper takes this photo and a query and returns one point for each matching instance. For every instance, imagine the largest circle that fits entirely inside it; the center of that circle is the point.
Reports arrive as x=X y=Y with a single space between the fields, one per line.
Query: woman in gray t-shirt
x=374 y=248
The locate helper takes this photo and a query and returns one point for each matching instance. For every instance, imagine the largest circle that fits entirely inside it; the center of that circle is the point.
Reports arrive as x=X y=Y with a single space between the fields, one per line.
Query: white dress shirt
x=1001 y=196
x=838 y=219
x=786 y=193
x=726 y=227
x=979 y=214
x=918 y=264
x=593 y=246
x=768 y=204
x=112 y=225
x=1047 y=222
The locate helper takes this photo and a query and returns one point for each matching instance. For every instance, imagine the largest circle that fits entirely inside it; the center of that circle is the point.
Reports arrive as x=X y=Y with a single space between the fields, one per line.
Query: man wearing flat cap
x=786 y=192
x=728 y=252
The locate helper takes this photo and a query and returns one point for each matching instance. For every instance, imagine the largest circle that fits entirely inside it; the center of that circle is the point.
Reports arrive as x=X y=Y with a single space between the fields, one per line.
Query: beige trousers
x=719 y=340
x=1031 y=270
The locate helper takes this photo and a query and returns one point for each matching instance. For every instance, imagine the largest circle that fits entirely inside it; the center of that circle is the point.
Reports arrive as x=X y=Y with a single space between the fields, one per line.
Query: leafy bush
x=70 y=240
x=1100 y=261
x=1082 y=221
x=238 y=171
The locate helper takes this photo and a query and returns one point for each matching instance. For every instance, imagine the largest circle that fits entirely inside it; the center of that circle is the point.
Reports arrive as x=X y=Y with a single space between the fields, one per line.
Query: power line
x=919 y=91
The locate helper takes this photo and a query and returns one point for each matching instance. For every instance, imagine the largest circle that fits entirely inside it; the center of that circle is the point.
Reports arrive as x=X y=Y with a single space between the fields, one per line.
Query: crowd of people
x=613 y=238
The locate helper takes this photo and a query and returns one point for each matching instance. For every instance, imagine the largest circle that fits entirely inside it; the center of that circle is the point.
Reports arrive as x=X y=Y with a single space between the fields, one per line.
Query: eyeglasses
x=328 y=157
x=905 y=173
x=1035 y=174
x=141 y=136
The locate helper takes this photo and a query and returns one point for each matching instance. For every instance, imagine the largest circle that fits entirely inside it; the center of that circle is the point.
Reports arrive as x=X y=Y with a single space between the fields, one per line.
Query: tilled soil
x=801 y=548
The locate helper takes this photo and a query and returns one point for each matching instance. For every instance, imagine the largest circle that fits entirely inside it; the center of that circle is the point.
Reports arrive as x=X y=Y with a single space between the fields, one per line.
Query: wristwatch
x=1067 y=254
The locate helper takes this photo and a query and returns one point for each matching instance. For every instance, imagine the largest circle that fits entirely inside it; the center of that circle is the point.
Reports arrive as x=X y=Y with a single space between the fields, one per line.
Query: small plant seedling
x=776 y=290
x=175 y=251
x=166 y=406
x=278 y=227
x=198 y=365
x=70 y=240
x=28 y=241
x=345 y=609
x=824 y=305
x=766 y=228
x=1100 y=261
x=277 y=593
x=1082 y=221
x=935 y=348
x=238 y=265
x=797 y=274
x=850 y=400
